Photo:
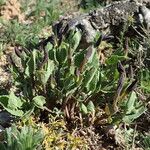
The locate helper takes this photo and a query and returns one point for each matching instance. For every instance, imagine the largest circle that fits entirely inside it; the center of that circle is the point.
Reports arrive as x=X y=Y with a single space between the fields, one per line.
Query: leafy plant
x=145 y=80
x=27 y=138
x=61 y=73
x=91 y=4
x=146 y=142
x=72 y=84
x=12 y=104
x=43 y=10
x=133 y=109
x=20 y=34
x=18 y=106
x=27 y=34
x=65 y=75
x=59 y=137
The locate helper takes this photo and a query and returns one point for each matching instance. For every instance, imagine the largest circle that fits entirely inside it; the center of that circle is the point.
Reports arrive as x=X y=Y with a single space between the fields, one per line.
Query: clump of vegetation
x=27 y=138
x=75 y=95
x=39 y=14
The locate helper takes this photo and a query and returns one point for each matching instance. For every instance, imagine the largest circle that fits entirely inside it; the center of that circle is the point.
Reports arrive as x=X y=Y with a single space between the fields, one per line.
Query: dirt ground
x=12 y=10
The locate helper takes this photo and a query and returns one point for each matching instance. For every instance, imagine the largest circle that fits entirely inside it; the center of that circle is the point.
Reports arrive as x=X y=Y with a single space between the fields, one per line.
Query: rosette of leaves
x=58 y=72
x=27 y=138
x=65 y=75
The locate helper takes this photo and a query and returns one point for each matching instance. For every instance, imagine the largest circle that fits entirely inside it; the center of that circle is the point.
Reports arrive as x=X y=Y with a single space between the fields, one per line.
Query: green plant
x=65 y=75
x=146 y=142
x=27 y=138
x=132 y=109
x=58 y=72
x=91 y=4
x=145 y=79
x=20 y=107
x=71 y=90
x=43 y=10
x=27 y=34
x=59 y=137
x=12 y=104
x=20 y=34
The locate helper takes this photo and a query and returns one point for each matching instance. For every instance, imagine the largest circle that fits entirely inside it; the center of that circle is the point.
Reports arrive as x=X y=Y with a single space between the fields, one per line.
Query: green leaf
x=88 y=77
x=14 y=102
x=90 y=107
x=48 y=72
x=79 y=57
x=4 y=100
x=114 y=59
x=68 y=82
x=61 y=54
x=11 y=103
x=49 y=46
x=130 y=102
x=146 y=142
x=27 y=114
x=39 y=101
x=134 y=115
x=93 y=84
x=72 y=70
x=16 y=112
x=134 y=109
x=145 y=79
x=74 y=38
x=44 y=75
x=83 y=108
x=94 y=60
x=31 y=64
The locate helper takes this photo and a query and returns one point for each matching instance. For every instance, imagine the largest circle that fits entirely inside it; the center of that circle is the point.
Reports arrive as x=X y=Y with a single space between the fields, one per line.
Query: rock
x=146 y=16
x=6 y=119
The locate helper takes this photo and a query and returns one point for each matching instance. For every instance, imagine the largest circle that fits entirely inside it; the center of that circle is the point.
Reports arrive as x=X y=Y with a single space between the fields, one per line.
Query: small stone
x=5 y=118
